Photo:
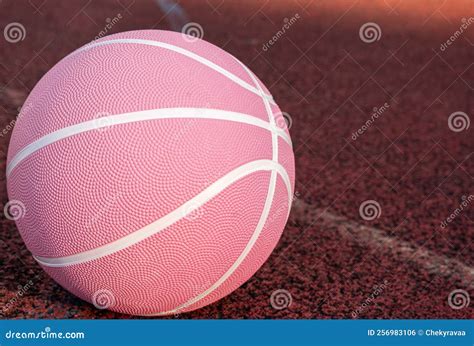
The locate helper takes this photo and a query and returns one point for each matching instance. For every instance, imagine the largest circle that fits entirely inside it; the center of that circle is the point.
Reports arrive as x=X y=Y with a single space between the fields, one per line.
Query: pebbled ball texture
x=91 y=189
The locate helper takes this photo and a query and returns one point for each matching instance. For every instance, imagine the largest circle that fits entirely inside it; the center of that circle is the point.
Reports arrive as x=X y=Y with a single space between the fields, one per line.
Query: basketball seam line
x=169 y=219
x=261 y=223
x=125 y=118
x=182 y=51
x=274 y=134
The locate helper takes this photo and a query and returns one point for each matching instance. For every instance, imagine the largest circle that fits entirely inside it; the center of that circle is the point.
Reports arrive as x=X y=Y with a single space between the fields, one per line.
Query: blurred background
x=379 y=97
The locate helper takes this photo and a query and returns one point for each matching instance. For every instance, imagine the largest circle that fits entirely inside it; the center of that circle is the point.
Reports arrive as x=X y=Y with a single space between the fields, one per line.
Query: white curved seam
x=170 y=218
x=261 y=222
x=267 y=109
x=242 y=256
x=179 y=50
x=273 y=123
x=153 y=114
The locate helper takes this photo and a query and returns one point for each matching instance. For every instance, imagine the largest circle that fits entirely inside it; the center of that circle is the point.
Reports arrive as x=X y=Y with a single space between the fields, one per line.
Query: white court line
x=152 y=114
x=378 y=239
x=179 y=50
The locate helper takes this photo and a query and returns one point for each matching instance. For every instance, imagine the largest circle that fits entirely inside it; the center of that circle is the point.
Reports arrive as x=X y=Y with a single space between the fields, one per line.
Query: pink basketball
x=154 y=170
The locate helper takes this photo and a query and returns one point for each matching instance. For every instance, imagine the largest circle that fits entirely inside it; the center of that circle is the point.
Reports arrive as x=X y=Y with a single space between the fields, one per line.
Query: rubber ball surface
x=155 y=172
